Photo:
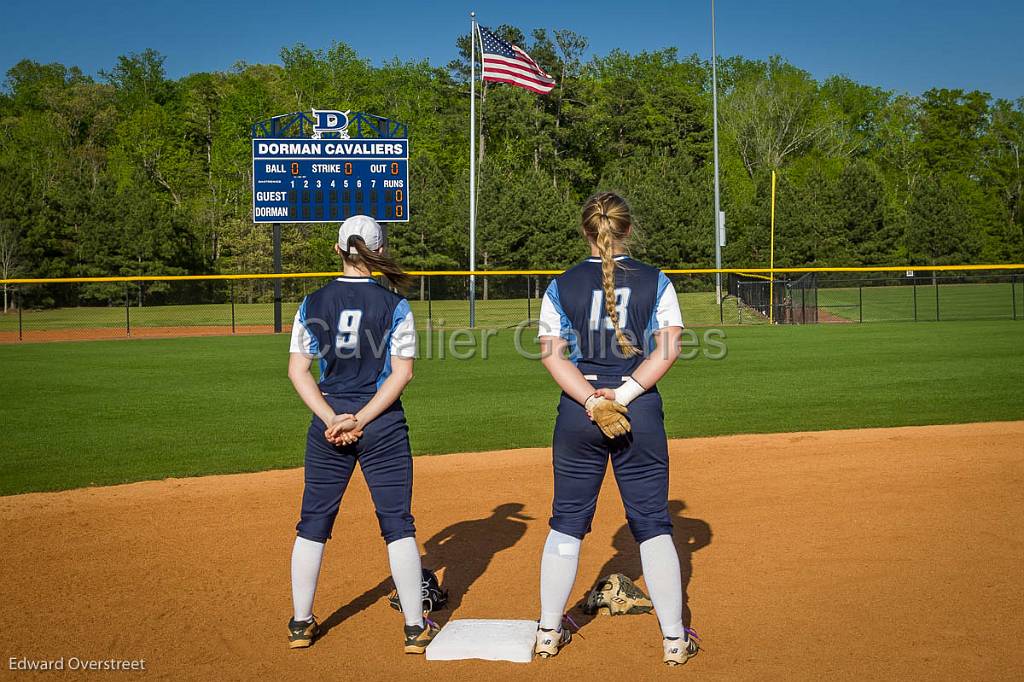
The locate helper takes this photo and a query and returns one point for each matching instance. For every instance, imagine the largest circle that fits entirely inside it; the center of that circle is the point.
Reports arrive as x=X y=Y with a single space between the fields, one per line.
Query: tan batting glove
x=609 y=416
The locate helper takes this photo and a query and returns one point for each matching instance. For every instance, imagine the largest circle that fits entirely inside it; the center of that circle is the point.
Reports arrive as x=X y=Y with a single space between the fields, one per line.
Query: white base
x=490 y=640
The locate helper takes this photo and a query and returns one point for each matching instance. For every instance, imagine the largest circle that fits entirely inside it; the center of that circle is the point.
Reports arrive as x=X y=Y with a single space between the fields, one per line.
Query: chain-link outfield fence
x=864 y=296
x=118 y=307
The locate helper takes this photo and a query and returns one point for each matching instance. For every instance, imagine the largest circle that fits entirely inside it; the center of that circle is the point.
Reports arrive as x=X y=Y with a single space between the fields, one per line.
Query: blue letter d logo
x=330 y=121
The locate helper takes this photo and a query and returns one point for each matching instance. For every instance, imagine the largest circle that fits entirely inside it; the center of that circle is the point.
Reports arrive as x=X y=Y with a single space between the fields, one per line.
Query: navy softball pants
x=385 y=458
x=639 y=459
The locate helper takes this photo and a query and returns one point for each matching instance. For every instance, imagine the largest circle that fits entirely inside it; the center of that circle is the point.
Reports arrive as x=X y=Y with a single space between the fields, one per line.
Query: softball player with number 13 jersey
x=610 y=328
x=364 y=339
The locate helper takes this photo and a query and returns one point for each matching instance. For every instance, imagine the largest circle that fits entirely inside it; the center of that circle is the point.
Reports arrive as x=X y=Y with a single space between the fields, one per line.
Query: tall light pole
x=714 y=114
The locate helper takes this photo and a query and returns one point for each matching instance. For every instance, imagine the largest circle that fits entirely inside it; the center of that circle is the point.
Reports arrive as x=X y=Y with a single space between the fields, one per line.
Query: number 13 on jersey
x=597 y=308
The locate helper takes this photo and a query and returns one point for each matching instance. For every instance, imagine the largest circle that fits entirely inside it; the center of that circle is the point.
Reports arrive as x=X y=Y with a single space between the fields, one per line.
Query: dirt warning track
x=138 y=332
x=878 y=554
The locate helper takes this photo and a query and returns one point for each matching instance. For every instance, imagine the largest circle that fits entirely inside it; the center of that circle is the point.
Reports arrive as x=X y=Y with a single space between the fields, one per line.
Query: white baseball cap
x=361 y=226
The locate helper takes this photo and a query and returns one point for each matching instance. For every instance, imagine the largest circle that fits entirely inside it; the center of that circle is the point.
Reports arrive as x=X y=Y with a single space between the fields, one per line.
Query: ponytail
x=606 y=220
x=377 y=262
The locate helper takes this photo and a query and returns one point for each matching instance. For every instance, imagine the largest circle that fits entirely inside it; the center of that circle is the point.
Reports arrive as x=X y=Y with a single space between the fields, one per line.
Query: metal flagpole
x=472 y=169
x=771 y=283
x=714 y=114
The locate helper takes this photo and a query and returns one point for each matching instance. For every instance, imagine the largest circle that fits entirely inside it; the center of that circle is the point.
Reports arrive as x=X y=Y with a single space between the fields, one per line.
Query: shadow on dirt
x=689 y=535
x=463 y=551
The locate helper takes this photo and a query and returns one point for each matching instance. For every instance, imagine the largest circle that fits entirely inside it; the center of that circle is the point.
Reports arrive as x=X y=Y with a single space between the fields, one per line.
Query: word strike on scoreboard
x=299 y=180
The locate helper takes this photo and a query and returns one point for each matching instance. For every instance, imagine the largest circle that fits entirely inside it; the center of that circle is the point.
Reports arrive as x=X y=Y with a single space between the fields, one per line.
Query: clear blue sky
x=908 y=46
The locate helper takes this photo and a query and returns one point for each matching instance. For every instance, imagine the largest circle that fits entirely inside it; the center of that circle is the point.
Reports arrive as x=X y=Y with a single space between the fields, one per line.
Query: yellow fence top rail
x=505 y=273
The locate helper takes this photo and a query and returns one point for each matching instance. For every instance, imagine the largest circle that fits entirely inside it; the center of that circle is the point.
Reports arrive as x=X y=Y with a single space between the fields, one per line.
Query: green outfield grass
x=94 y=413
x=896 y=303
x=699 y=307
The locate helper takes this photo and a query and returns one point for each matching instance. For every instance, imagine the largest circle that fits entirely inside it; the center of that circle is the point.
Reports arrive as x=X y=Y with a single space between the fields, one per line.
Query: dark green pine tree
x=938 y=229
x=860 y=213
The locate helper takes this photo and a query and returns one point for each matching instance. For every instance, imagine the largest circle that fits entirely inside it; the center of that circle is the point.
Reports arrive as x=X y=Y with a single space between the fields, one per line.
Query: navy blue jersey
x=353 y=326
x=574 y=309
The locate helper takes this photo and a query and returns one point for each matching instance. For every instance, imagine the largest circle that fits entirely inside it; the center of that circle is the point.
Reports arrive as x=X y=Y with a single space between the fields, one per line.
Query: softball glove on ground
x=609 y=416
x=617 y=595
x=434 y=597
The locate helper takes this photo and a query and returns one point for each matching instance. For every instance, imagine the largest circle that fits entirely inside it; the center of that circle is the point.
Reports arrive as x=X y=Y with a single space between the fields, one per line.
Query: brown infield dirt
x=877 y=554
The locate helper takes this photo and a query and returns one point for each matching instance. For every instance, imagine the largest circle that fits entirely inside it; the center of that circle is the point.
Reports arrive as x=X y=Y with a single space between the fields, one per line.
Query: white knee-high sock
x=661 y=573
x=404 y=556
x=557 y=575
x=306 y=558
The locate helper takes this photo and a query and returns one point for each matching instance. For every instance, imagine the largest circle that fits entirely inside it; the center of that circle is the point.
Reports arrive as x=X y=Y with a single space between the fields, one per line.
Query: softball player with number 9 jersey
x=610 y=328
x=364 y=339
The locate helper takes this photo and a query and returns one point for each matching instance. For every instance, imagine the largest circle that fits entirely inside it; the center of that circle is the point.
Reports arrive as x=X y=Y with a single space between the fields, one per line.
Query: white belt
x=593 y=377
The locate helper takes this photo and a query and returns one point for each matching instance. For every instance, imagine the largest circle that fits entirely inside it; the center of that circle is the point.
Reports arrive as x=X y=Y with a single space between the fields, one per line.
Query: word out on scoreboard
x=307 y=180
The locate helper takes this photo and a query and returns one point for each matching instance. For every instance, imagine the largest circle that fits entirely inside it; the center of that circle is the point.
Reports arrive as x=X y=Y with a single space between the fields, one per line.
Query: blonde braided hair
x=606 y=222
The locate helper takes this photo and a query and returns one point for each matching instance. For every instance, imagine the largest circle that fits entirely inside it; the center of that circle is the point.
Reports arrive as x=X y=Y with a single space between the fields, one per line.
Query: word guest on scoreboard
x=303 y=180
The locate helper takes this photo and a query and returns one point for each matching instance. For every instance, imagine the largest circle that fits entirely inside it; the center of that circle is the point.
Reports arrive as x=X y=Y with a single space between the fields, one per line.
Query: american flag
x=504 y=62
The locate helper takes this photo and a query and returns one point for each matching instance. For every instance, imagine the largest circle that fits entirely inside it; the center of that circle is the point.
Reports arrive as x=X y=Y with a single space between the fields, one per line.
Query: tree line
x=134 y=173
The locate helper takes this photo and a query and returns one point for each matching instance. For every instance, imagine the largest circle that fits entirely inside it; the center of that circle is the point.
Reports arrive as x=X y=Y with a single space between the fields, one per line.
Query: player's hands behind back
x=609 y=415
x=344 y=429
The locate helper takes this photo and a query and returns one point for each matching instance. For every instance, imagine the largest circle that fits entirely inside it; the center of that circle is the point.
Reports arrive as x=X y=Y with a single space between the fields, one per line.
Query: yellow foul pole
x=771 y=266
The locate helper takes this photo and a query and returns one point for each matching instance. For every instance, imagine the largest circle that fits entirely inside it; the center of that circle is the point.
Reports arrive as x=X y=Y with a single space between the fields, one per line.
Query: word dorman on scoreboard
x=304 y=180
